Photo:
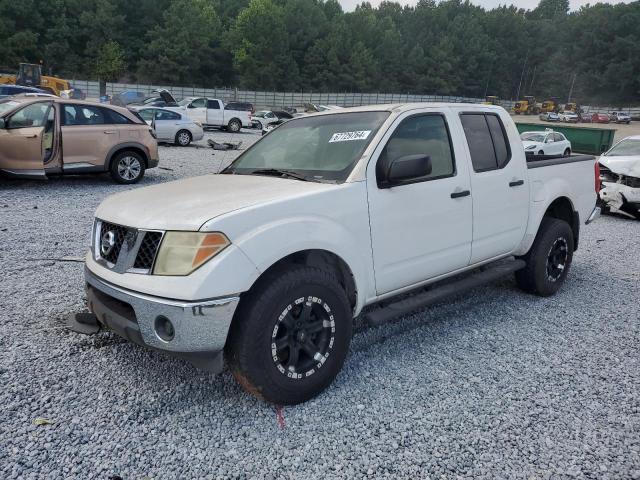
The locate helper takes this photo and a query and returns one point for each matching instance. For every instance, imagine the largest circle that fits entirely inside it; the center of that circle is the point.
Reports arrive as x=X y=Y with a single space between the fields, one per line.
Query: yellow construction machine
x=526 y=106
x=30 y=75
x=491 y=100
x=550 y=105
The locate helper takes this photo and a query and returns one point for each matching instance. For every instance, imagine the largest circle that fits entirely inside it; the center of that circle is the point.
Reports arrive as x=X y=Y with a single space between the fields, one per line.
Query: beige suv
x=42 y=136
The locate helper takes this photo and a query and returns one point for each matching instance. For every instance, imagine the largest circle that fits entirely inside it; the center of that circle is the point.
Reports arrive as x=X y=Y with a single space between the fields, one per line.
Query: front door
x=197 y=110
x=22 y=146
x=422 y=229
x=498 y=185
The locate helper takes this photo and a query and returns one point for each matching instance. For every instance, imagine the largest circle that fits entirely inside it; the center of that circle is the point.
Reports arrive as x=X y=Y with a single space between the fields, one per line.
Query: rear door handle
x=516 y=183
x=109 y=132
x=463 y=193
x=31 y=136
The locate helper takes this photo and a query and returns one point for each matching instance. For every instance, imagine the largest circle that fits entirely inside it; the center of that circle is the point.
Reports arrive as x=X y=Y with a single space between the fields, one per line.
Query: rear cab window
x=487 y=140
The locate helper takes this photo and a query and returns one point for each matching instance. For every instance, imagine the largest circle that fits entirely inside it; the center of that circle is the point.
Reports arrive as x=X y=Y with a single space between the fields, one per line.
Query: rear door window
x=84 y=115
x=116 y=118
x=167 y=115
x=487 y=141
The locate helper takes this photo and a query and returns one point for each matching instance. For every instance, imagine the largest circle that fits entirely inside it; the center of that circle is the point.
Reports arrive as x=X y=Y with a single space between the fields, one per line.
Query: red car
x=600 y=118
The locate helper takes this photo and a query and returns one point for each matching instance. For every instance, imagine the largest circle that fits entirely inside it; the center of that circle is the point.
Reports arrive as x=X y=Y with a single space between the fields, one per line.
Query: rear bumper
x=153 y=162
x=199 y=328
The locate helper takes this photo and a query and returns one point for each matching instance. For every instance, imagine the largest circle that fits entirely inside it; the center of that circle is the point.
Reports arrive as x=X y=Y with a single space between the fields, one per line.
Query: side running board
x=438 y=293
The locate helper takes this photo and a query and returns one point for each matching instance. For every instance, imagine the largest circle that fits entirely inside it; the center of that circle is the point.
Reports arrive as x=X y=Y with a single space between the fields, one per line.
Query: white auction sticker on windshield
x=349 y=136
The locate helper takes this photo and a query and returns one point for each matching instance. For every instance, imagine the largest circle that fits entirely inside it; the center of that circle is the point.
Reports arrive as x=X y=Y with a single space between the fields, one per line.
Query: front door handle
x=31 y=136
x=462 y=193
x=516 y=183
x=109 y=132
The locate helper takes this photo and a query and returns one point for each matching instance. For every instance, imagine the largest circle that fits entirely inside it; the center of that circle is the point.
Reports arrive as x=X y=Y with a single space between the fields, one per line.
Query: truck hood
x=623 y=165
x=188 y=204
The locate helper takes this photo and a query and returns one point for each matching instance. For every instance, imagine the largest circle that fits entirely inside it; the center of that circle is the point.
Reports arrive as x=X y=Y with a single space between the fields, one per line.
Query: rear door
x=88 y=134
x=22 y=140
x=499 y=184
x=215 y=113
x=421 y=229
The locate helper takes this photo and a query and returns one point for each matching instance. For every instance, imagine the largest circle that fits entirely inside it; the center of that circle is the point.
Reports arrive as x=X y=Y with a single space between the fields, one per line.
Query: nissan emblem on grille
x=107 y=242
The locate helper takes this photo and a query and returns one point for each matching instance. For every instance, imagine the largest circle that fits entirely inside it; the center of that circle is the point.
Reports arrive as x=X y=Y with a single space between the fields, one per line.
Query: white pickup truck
x=269 y=263
x=211 y=113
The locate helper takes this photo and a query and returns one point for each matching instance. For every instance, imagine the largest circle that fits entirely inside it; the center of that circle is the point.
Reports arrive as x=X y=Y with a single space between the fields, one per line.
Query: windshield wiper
x=280 y=173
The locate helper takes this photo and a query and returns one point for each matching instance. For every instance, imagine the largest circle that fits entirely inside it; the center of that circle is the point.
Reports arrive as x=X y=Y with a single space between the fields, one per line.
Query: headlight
x=183 y=252
x=530 y=147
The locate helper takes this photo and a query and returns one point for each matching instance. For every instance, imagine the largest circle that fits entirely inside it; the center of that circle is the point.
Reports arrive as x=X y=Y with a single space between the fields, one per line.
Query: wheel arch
x=562 y=209
x=323 y=259
x=134 y=147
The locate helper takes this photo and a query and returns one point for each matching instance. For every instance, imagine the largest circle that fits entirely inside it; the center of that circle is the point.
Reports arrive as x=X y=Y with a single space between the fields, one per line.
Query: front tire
x=127 y=167
x=567 y=152
x=183 y=138
x=549 y=259
x=290 y=335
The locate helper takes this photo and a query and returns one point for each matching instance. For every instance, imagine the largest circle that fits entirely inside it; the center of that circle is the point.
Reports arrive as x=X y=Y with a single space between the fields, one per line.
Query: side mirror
x=191 y=106
x=408 y=168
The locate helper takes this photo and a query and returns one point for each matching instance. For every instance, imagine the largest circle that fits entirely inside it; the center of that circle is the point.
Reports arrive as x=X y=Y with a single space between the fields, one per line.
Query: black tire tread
x=528 y=278
x=113 y=167
x=242 y=340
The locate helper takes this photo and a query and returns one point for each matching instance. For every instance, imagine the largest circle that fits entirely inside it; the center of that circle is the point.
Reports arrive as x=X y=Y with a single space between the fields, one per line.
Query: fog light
x=164 y=328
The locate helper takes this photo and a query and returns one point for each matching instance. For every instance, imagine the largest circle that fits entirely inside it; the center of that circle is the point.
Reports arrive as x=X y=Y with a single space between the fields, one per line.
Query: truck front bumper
x=196 y=331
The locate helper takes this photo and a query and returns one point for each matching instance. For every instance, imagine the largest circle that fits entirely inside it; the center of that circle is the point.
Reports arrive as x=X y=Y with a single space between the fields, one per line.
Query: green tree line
x=451 y=47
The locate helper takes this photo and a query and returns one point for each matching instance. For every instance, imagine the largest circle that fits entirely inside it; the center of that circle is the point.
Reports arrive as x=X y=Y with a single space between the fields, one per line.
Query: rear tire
x=234 y=125
x=567 y=152
x=183 y=138
x=541 y=152
x=549 y=259
x=127 y=167
x=290 y=335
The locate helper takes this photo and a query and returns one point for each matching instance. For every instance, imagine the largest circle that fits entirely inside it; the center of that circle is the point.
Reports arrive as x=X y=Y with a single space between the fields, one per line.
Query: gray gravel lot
x=495 y=384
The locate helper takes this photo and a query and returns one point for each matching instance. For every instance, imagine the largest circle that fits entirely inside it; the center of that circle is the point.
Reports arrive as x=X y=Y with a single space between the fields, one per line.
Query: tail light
x=596 y=171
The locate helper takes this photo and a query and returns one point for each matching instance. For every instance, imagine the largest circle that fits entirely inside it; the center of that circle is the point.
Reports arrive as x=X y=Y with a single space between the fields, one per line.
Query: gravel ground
x=495 y=384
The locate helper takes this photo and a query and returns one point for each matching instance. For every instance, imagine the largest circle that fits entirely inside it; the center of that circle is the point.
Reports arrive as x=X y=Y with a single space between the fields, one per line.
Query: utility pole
x=573 y=80
x=522 y=74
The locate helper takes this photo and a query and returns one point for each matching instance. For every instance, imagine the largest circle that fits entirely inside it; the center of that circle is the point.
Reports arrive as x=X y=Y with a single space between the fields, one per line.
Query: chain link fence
x=274 y=100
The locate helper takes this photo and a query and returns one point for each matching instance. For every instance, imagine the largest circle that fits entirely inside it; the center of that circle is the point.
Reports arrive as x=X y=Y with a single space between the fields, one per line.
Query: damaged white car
x=620 y=176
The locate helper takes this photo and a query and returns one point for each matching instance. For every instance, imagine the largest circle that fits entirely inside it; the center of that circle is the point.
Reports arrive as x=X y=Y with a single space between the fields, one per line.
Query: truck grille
x=124 y=249
x=148 y=249
x=119 y=234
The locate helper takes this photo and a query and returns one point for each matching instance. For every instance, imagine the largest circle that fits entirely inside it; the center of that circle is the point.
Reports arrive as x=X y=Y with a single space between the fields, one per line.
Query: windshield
x=184 y=102
x=625 y=148
x=259 y=114
x=8 y=105
x=151 y=100
x=323 y=147
x=532 y=137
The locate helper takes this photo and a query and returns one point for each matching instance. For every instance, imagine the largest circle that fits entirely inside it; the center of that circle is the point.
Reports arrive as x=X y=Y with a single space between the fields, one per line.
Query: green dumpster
x=588 y=140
